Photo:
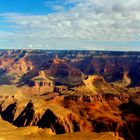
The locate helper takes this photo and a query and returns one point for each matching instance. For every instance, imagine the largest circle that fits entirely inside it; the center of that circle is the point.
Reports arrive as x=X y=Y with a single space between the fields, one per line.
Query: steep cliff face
x=107 y=113
x=14 y=65
x=74 y=113
x=60 y=120
x=64 y=73
x=19 y=68
x=111 y=66
x=22 y=65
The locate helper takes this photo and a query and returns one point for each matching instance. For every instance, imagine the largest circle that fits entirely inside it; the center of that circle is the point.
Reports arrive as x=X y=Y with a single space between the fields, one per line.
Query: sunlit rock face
x=102 y=112
x=71 y=91
x=12 y=132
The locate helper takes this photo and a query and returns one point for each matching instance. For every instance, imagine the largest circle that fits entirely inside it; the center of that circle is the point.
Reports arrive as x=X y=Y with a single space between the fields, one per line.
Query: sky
x=70 y=24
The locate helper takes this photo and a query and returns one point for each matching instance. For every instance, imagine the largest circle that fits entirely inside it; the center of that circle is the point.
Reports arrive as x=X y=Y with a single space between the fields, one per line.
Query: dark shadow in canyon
x=49 y=120
x=8 y=113
x=26 y=116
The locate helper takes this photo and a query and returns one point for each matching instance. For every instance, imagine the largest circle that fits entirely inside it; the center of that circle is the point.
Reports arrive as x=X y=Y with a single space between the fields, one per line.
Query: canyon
x=70 y=94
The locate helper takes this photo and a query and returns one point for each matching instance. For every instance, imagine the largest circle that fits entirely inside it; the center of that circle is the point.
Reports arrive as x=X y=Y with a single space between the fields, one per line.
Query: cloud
x=59 y=5
x=100 y=20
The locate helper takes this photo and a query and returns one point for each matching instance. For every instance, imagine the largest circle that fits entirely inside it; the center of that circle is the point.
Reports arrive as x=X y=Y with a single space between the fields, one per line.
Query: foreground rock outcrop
x=102 y=112
x=34 y=133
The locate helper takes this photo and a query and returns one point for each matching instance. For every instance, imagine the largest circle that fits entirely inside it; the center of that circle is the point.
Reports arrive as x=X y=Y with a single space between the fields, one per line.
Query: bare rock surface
x=69 y=94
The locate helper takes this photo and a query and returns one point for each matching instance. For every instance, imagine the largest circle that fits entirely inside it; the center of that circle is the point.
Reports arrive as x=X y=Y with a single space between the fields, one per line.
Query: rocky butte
x=92 y=95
